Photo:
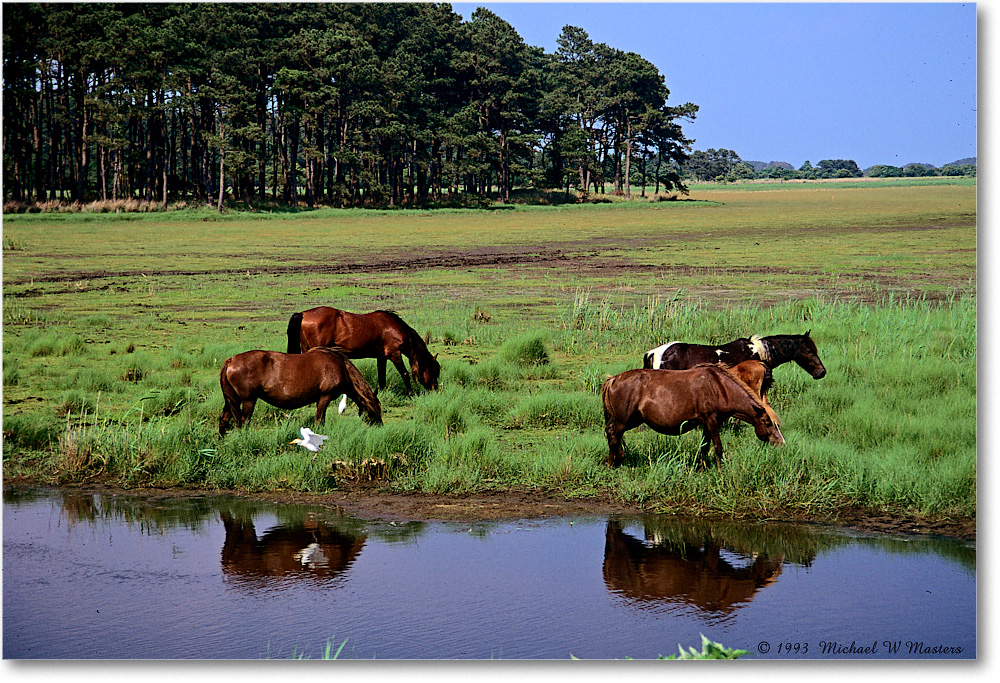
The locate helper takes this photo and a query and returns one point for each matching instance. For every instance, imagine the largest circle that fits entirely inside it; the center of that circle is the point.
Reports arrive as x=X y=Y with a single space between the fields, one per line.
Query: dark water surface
x=97 y=576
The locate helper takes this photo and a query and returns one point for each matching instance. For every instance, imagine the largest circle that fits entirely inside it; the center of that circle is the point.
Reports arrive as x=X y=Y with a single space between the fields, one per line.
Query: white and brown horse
x=772 y=351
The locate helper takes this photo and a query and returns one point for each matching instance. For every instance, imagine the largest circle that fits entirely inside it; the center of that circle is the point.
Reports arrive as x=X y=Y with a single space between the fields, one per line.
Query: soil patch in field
x=601 y=256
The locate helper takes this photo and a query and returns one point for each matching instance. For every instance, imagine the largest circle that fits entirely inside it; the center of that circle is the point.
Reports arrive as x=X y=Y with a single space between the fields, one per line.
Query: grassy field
x=115 y=326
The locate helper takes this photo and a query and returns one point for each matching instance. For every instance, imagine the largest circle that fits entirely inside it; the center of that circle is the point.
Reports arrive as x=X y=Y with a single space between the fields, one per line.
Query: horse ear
x=808 y=332
x=435 y=356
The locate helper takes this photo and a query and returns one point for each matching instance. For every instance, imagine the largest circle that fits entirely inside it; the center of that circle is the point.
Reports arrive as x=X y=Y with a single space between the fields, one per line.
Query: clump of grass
x=75 y=401
x=11 y=372
x=54 y=344
x=446 y=410
x=557 y=409
x=28 y=432
x=471 y=462
x=526 y=350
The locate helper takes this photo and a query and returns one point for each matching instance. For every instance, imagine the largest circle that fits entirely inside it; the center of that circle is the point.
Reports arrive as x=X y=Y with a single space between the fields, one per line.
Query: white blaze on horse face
x=657 y=354
x=343 y=404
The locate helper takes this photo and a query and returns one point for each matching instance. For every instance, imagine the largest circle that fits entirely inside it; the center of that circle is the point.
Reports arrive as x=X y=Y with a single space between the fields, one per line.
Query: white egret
x=311 y=441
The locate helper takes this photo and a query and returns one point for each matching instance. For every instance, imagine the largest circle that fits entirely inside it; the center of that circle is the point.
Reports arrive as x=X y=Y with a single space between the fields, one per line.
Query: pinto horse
x=380 y=334
x=676 y=401
x=772 y=351
x=291 y=381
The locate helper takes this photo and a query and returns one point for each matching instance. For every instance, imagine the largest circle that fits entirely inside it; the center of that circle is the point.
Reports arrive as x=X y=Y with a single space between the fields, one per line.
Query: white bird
x=343 y=404
x=311 y=441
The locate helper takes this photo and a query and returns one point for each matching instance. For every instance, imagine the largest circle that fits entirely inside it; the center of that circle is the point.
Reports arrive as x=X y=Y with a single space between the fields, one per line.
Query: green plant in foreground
x=709 y=650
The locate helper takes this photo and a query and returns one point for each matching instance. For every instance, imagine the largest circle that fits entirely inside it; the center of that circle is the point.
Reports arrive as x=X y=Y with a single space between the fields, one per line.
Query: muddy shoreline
x=368 y=502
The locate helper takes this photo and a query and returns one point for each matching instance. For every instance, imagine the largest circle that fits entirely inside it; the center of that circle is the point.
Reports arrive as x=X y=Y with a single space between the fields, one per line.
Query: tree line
x=360 y=104
x=725 y=165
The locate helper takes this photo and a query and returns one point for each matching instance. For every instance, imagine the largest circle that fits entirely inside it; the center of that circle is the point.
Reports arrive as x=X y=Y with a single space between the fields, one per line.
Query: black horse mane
x=784 y=347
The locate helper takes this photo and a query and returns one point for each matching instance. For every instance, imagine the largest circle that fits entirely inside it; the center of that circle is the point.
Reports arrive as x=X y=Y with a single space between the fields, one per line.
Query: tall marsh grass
x=892 y=426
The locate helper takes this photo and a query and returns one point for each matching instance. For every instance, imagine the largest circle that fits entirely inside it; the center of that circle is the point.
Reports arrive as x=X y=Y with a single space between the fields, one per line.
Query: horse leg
x=711 y=439
x=381 y=372
x=615 y=446
x=227 y=415
x=246 y=412
x=321 y=405
x=397 y=360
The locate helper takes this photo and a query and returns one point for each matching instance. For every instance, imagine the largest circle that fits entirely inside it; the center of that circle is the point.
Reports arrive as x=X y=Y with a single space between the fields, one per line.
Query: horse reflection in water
x=308 y=549
x=682 y=573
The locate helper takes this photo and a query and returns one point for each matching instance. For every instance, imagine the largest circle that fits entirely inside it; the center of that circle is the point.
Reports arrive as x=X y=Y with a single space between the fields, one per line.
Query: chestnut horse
x=676 y=401
x=773 y=351
x=291 y=381
x=754 y=373
x=380 y=334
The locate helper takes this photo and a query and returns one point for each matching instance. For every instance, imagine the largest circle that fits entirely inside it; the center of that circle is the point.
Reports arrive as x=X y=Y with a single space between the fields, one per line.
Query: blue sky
x=889 y=83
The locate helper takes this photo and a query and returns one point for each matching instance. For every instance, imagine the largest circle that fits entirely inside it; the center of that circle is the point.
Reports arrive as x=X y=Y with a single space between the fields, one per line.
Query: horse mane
x=332 y=348
x=760 y=347
x=782 y=347
x=416 y=341
x=740 y=383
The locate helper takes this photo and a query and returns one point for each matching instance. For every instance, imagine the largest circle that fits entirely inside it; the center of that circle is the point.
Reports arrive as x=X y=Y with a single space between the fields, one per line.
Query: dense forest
x=361 y=104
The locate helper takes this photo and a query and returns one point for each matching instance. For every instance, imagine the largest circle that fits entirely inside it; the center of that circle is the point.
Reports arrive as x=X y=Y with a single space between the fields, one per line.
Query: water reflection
x=212 y=566
x=689 y=571
x=311 y=549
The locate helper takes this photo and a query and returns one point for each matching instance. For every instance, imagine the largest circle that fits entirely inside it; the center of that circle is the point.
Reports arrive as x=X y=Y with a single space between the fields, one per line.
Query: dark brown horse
x=676 y=401
x=380 y=334
x=291 y=381
x=772 y=351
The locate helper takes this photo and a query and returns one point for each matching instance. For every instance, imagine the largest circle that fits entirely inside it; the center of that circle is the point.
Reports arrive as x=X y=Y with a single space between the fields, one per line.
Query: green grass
x=112 y=346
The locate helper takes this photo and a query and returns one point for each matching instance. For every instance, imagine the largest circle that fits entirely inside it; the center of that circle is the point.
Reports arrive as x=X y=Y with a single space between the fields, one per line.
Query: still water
x=94 y=576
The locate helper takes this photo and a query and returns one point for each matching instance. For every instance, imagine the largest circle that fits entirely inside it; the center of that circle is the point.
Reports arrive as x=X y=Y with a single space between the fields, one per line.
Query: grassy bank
x=892 y=426
x=115 y=329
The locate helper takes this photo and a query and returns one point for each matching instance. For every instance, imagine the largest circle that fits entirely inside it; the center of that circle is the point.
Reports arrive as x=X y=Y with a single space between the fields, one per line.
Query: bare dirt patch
x=604 y=257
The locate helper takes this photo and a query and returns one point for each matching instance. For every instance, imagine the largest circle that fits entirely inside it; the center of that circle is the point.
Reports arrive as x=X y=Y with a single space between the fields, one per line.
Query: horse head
x=807 y=357
x=425 y=370
x=766 y=428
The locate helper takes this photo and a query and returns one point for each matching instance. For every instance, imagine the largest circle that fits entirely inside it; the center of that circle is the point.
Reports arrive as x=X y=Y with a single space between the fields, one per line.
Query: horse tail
x=230 y=399
x=294 y=333
x=229 y=392
x=605 y=396
x=368 y=405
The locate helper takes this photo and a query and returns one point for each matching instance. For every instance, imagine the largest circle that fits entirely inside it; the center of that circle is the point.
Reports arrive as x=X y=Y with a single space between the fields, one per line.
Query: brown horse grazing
x=773 y=351
x=380 y=334
x=291 y=381
x=676 y=401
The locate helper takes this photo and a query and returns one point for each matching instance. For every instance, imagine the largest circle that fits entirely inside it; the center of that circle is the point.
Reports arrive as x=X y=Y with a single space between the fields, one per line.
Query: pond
x=98 y=576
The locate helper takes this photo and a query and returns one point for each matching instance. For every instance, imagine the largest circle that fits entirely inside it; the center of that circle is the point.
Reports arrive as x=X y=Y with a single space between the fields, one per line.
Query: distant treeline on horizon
x=724 y=165
x=342 y=104
x=345 y=104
